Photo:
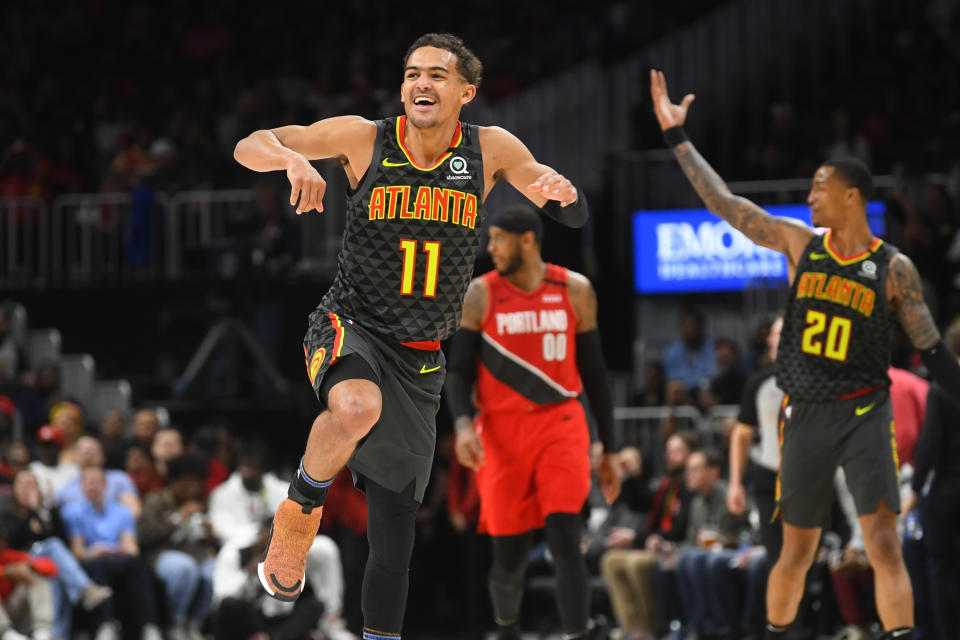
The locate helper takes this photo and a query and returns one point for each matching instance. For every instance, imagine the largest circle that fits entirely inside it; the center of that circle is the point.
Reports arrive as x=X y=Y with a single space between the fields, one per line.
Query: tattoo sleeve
x=907 y=292
x=755 y=223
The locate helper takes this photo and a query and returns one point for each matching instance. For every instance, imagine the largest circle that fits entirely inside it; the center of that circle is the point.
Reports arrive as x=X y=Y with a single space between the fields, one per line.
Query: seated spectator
x=251 y=495
x=177 y=540
x=26 y=595
x=103 y=536
x=40 y=530
x=40 y=393
x=167 y=444
x=142 y=470
x=690 y=360
x=120 y=488
x=51 y=473
x=631 y=573
x=68 y=416
x=113 y=437
x=243 y=607
x=712 y=529
x=727 y=385
x=145 y=426
x=653 y=393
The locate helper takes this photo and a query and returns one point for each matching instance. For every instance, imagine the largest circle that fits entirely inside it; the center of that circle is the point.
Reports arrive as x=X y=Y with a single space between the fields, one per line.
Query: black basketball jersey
x=411 y=238
x=837 y=327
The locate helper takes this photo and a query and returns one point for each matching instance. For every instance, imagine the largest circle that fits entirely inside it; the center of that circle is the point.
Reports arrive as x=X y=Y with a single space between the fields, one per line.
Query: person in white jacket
x=251 y=495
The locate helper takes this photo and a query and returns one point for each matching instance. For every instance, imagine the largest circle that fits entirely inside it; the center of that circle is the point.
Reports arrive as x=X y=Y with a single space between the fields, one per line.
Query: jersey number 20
x=409 y=248
x=837 y=341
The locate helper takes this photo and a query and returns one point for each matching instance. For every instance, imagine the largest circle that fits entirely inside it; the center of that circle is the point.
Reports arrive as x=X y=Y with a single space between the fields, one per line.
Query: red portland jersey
x=528 y=356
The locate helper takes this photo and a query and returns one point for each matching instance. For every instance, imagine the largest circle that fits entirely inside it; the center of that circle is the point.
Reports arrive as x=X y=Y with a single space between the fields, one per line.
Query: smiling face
x=830 y=199
x=433 y=91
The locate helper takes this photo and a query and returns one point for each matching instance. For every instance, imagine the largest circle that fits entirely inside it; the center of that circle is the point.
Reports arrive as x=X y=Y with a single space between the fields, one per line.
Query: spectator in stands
x=177 y=540
x=727 y=385
x=16 y=456
x=215 y=444
x=103 y=536
x=145 y=426
x=120 y=488
x=251 y=495
x=32 y=527
x=653 y=393
x=39 y=395
x=167 y=444
x=243 y=608
x=711 y=531
x=68 y=416
x=26 y=594
x=938 y=451
x=142 y=470
x=630 y=573
x=113 y=437
x=13 y=359
x=690 y=361
x=49 y=471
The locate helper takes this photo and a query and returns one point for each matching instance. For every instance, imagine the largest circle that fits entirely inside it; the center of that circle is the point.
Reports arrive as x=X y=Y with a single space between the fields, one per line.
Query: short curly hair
x=468 y=64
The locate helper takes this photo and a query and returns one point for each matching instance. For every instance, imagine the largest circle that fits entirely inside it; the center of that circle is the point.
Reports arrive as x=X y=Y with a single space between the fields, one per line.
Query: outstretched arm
x=905 y=293
x=347 y=138
x=505 y=157
x=786 y=235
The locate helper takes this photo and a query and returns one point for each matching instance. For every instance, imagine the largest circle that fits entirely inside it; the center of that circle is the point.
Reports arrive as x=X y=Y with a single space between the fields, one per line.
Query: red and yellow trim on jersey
x=842 y=261
x=780 y=425
x=401 y=127
x=338 y=339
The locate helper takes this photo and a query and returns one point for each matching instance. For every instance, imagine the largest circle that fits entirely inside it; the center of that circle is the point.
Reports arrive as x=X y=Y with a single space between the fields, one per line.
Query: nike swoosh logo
x=387 y=163
x=817 y=256
x=901 y=632
x=862 y=410
x=423 y=369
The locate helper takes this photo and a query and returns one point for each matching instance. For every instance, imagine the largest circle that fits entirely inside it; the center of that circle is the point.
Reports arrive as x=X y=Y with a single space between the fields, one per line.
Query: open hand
x=306 y=185
x=668 y=114
x=554 y=186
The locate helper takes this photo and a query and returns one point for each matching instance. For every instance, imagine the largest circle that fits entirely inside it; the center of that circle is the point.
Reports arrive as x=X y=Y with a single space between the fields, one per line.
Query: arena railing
x=24 y=242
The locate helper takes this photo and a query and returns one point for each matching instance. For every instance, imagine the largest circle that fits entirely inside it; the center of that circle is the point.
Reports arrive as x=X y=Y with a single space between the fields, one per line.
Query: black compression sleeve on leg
x=506 y=576
x=596 y=384
x=943 y=367
x=461 y=372
x=573 y=215
x=563 y=536
x=391 y=519
x=351 y=367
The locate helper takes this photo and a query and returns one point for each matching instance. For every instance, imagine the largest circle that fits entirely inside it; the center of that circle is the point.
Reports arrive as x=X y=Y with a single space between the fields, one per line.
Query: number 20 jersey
x=411 y=238
x=837 y=327
x=528 y=355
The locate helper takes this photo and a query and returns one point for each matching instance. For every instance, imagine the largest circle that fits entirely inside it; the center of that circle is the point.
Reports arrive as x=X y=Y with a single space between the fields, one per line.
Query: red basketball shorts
x=536 y=463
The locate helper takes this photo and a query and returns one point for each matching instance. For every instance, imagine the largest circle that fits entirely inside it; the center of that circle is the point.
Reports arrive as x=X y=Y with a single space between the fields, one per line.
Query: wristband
x=674 y=136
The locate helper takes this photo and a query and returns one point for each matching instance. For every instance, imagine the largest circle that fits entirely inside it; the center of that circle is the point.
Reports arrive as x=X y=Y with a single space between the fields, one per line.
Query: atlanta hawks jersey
x=410 y=238
x=837 y=326
x=528 y=354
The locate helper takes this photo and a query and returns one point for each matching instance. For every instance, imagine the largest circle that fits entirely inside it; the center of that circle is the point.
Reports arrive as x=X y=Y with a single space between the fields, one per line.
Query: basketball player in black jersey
x=372 y=350
x=848 y=289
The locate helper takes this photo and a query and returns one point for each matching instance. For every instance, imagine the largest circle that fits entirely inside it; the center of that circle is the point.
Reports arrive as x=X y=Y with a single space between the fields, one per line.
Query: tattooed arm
x=785 y=235
x=905 y=293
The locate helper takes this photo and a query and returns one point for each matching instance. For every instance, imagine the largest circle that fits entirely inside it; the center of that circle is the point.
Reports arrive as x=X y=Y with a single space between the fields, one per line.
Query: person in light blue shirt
x=119 y=485
x=103 y=537
x=691 y=359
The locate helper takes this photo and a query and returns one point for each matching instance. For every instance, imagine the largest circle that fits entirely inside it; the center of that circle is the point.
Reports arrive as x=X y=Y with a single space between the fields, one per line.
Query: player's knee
x=356 y=412
x=883 y=547
x=563 y=534
x=796 y=557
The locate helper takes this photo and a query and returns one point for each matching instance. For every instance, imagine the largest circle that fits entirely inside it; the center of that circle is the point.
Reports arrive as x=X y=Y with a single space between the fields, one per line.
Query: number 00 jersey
x=410 y=238
x=837 y=327
x=528 y=355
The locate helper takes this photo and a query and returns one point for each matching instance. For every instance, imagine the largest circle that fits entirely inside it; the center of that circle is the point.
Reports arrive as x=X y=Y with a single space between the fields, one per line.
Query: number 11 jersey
x=528 y=355
x=411 y=238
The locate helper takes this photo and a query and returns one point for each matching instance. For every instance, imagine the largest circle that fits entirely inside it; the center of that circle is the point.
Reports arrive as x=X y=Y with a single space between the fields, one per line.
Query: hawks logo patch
x=315 y=363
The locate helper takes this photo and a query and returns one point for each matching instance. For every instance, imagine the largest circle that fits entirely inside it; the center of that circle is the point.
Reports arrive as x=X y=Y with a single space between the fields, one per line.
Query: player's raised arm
x=905 y=293
x=347 y=138
x=786 y=235
x=505 y=157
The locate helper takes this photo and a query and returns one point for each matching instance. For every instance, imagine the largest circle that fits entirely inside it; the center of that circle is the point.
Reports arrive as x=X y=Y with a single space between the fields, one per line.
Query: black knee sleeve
x=390 y=527
x=506 y=576
x=563 y=537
